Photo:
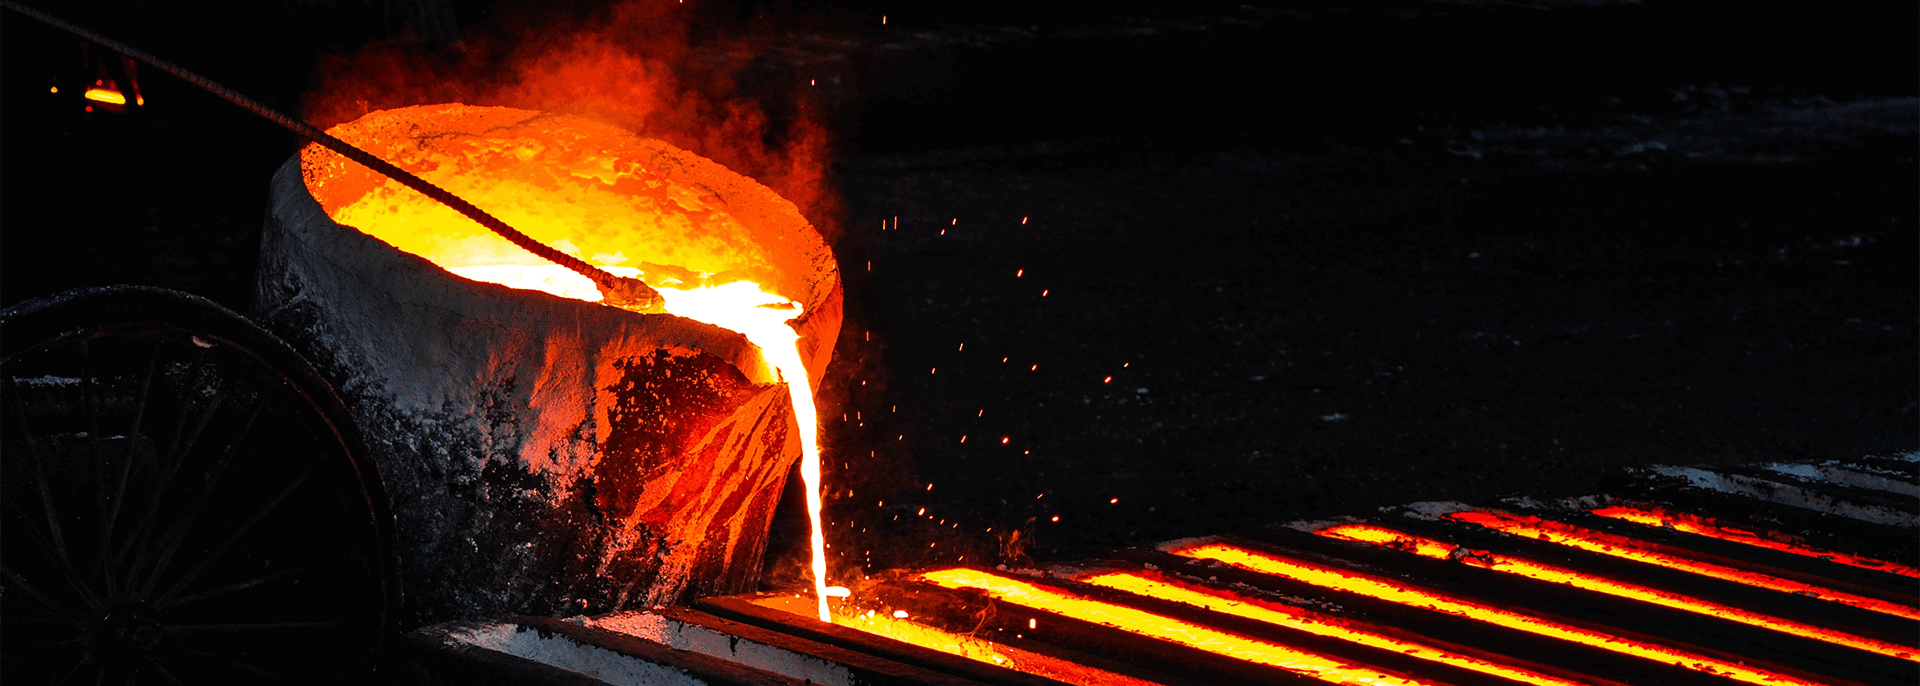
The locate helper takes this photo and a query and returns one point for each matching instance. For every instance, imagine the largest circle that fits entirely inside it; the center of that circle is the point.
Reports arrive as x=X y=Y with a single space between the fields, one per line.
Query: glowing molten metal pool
x=597 y=193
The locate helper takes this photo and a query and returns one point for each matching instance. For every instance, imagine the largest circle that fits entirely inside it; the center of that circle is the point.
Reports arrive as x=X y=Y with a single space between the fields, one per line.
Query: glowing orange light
x=1409 y=595
x=1311 y=622
x=1623 y=547
x=1427 y=547
x=1701 y=526
x=896 y=625
x=602 y=226
x=740 y=306
x=1160 y=627
x=106 y=95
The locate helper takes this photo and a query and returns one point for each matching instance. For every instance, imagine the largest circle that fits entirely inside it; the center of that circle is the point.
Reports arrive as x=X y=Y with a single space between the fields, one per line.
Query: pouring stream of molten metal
x=741 y=307
x=620 y=290
x=412 y=221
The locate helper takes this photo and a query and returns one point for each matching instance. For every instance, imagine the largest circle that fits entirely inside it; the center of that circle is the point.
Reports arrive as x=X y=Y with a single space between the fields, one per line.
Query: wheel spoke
x=126 y=470
x=16 y=605
x=73 y=579
x=81 y=640
x=242 y=531
x=174 y=460
x=186 y=403
x=164 y=674
x=13 y=658
x=38 y=643
x=53 y=516
x=180 y=521
x=41 y=620
x=178 y=533
x=84 y=661
x=30 y=590
x=175 y=535
x=230 y=588
x=93 y=407
x=40 y=476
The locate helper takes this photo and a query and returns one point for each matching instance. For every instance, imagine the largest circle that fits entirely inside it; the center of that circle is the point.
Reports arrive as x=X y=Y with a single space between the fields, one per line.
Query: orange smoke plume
x=636 y=64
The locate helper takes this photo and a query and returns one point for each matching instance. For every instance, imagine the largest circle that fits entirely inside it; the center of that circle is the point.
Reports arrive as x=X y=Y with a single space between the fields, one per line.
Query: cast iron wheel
x=184 y=501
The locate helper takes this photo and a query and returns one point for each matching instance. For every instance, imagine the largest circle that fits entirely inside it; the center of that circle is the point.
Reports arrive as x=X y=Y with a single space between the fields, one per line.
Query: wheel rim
x=178 y=506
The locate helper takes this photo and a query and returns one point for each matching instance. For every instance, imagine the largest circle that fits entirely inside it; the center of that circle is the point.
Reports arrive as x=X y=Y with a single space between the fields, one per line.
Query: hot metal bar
x=1793 y=606
x=1497 y=560
x=1487 y=641
x=748 y=645
x=1159 y=586
x=954 y=669
x=1027 y=627
x=1719 y=638
x=1652 y=633
x=1058 y=603
x=1887 y=582
x=1240 y=614
x=1684 y=523
x=1667 y=556
x=961 y=613
x=1818 y=529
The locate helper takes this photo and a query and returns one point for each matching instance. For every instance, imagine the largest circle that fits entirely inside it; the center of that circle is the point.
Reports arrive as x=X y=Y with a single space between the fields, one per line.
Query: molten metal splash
x=1427 y=547
x=1160 y=627
x=1702 y=526
x=1415 y=597
x=1639 y=551
x=1314 y=623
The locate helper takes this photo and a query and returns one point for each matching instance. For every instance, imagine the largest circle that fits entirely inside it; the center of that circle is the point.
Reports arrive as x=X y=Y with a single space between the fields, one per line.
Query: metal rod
x=618 y=291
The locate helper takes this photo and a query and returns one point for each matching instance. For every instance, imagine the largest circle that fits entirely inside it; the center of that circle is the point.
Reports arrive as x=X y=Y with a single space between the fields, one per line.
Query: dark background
x=1332 y=256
